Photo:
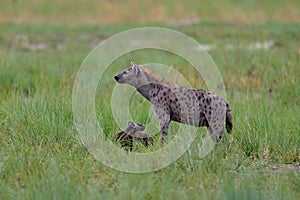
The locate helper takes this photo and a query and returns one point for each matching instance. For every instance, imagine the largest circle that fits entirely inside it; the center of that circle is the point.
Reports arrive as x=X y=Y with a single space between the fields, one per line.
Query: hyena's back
x=191 y=106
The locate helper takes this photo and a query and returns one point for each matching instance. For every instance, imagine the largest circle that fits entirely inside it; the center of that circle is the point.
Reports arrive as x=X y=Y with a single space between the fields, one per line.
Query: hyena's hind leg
x=216 y=124
x=215 y=133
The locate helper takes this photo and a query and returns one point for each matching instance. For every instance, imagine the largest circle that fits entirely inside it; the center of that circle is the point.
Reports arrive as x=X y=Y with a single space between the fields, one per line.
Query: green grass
x=94 y=11
x=41 y=156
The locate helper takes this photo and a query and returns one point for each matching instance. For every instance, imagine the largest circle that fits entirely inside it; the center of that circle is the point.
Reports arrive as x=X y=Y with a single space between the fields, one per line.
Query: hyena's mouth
x=119 y=79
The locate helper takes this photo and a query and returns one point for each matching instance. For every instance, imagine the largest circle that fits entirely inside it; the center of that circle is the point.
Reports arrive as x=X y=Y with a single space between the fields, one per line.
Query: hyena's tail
x=228 y=122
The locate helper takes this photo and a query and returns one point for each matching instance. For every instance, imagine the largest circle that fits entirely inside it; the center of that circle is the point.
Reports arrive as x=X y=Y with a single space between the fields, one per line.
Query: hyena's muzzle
x=117 y=77
x=122 y=77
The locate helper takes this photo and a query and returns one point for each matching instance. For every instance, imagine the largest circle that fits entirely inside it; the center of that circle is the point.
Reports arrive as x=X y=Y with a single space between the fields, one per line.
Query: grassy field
x=42 y=158
x=135 y=11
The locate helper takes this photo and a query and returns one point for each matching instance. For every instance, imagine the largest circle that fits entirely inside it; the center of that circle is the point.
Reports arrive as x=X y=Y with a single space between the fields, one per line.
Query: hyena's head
x=131 y=75
x=135 y=126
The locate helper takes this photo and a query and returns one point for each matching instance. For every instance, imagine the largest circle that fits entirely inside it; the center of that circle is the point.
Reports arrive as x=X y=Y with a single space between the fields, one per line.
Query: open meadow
x=256 y=49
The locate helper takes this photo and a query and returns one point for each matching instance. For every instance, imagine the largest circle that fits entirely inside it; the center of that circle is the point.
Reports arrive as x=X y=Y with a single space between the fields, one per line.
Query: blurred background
x=147 y=11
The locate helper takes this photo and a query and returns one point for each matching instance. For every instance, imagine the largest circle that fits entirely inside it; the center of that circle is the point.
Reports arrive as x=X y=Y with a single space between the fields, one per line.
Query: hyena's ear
x=136 y=70
x=131 y=124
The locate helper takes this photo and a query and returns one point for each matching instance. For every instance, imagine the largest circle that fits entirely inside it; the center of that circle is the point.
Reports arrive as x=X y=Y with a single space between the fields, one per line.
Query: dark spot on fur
x=208 y=100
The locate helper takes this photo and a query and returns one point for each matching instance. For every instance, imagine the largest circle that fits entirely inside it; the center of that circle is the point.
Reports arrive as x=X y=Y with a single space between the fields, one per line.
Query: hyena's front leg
x=164 y=126
x=163 y=116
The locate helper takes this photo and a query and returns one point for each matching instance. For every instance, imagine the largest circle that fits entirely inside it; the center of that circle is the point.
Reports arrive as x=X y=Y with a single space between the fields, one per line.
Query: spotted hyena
x=190 y=106
x=131 y=133
x=143 y=138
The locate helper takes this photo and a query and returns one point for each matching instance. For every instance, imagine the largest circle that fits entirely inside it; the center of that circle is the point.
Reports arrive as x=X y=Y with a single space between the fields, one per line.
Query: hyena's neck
x=145 y=79
x=144 y=90
x=145 y=83
x=128 y=129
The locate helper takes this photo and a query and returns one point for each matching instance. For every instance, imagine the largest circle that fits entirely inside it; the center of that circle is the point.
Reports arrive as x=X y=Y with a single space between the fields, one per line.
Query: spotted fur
x=195 y=107
x=131 y=133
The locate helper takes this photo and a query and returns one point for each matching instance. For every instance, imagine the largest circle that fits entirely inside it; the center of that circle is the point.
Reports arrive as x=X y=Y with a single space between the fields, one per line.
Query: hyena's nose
x=117 y=78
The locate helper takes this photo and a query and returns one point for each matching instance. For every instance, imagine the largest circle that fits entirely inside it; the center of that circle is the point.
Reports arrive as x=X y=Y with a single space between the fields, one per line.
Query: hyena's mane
x=156 y=77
